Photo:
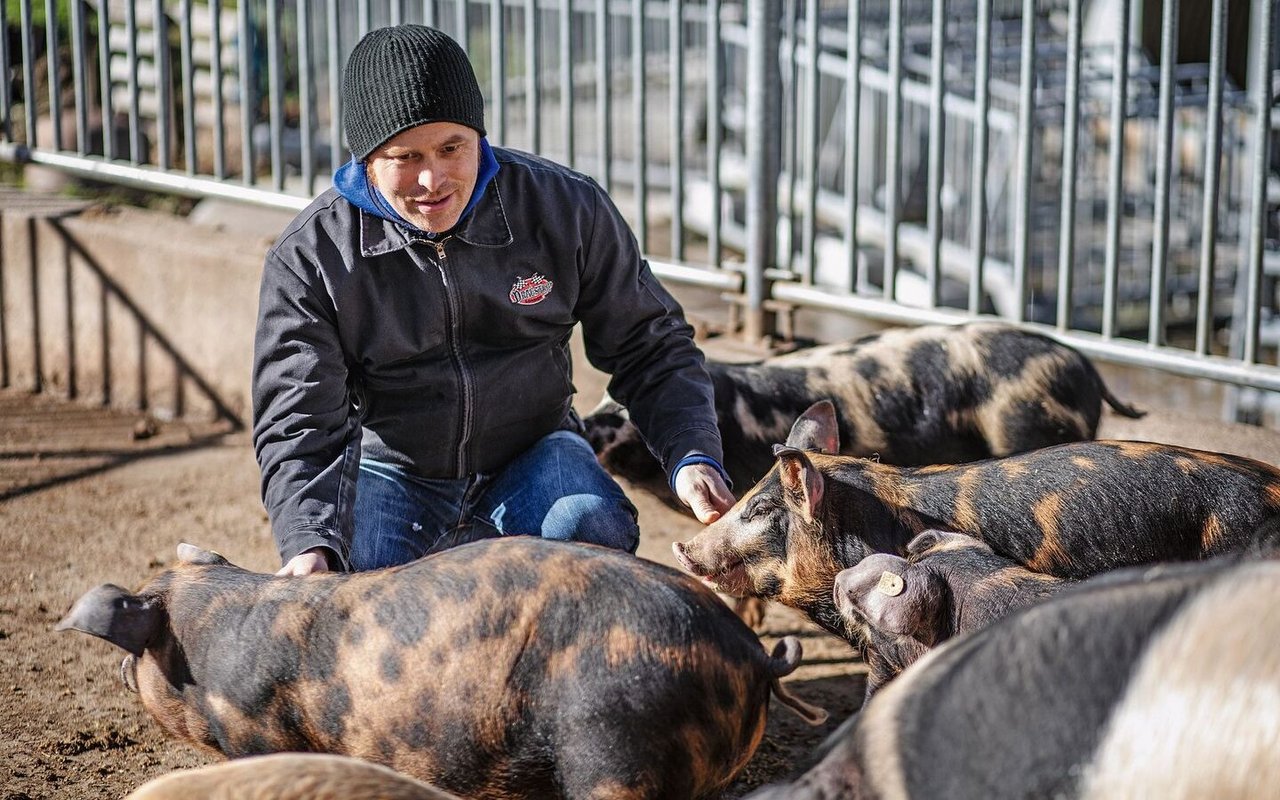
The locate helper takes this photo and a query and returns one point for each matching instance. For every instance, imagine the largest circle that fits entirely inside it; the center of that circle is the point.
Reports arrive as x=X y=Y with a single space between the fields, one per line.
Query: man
x=412 y=381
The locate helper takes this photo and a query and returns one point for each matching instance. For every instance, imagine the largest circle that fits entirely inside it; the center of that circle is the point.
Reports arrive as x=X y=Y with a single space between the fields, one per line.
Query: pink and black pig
x=907 y=396
x=948 y=584
x=514 y=668
x=1071 y=511
x=1153 y=682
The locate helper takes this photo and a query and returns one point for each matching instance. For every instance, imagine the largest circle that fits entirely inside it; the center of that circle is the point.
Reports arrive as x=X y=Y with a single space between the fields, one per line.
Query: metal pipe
x=1164 y=150
x=429 y=12
x=498 y=70
x=852 y=141
x=604 y=126
x=937 y=121
x=566 y=79
x=364 y=17
x=248 y=96
x=532 y=92
x=639 y=93
x=893 y=151
x=164 y=99
x=761 y=140
x=306 y=103
x=809 y=233
x=52 y=62
x=1115 y=170
x=1070 y=128
x=28 y=73
x=396 y=11
x=275 y=93
x=78 y=78
x=714 y=241
x=215 y=74
x=1212 y=167
x=460 y=20
x=333 y=61
x=6 y=112
x=188 y=88
x=676 y=112
x=1260 y=87
x=1026 y=118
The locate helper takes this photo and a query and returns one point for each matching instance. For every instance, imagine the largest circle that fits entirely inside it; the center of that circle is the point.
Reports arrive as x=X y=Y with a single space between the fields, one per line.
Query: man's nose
x=430 y=177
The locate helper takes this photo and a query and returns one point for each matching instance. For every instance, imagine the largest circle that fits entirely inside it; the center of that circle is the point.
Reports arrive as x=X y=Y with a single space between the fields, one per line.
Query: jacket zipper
x=459 y=361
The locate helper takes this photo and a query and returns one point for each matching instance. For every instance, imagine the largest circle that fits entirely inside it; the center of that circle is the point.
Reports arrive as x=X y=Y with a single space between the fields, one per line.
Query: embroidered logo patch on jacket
x=530 y=291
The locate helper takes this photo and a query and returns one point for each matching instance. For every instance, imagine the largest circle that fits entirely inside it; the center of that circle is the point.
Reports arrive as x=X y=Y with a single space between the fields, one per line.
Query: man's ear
x=816 y=429
x=803 y=485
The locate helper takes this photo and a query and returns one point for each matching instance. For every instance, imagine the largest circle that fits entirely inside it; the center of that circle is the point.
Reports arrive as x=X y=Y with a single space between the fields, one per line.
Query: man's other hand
x=700 y=487
x=307 y=562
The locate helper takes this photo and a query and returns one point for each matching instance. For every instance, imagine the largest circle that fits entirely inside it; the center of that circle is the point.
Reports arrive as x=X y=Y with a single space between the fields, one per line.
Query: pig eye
x=756 y=510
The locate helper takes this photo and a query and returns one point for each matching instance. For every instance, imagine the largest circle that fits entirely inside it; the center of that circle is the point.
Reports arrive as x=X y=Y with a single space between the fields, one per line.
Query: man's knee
x=595 y=520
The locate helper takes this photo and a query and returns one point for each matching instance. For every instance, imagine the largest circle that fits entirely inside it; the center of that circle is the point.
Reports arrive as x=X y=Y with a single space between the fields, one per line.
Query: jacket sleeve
x=635 y=330
x=306 y=433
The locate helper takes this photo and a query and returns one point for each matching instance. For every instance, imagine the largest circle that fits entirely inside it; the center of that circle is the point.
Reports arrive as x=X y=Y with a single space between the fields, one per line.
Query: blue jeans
x=555 y=489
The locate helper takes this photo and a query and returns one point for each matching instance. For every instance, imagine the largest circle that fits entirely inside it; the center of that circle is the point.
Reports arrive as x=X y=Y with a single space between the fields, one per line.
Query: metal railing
x=905 y=160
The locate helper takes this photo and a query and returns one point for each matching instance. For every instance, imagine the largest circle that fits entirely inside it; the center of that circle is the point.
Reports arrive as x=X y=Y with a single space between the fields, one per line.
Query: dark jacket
x=451 y=357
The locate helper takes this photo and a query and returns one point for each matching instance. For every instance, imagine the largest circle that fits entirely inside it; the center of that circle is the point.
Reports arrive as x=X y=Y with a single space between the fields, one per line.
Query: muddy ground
x=89 y=496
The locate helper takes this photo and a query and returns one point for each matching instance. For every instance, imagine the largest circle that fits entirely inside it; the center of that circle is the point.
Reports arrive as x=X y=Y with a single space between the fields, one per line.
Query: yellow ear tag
x=890 y=584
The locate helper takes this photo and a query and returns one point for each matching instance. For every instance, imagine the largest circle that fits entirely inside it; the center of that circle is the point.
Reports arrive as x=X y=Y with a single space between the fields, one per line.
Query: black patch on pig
x=389 y=666
x=1007 y=352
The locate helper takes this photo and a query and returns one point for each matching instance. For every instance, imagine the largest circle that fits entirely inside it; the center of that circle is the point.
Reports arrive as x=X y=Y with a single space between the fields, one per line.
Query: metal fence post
x=764 y=82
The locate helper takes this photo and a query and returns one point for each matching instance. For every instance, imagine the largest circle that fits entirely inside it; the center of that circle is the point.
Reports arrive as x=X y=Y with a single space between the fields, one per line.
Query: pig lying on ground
x=948 y=584
x=1071 y=510
x=928 y=395
x=506 y=668
x=288 y=776
x=1156 y=682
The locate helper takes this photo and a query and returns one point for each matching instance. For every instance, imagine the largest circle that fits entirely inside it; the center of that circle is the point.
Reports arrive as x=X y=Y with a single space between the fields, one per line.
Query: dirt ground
x=89 y=497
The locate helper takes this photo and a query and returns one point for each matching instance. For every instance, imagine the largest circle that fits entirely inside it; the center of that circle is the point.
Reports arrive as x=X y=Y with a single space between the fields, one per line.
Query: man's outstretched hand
x=700 y=487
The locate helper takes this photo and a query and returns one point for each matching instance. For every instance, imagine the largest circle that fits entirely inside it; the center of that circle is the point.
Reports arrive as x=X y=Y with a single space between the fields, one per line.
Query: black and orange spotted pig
x=515 y=668
x=1071 y=510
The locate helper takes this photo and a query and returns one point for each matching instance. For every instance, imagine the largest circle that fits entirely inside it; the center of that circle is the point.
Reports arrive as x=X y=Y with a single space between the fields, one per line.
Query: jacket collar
x=486 y=226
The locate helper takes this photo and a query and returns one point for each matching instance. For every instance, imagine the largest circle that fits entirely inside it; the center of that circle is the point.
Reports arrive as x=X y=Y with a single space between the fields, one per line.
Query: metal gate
x=906 y=160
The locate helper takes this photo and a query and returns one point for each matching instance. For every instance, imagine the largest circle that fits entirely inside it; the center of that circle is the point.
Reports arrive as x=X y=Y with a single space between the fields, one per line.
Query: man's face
x=427 y=173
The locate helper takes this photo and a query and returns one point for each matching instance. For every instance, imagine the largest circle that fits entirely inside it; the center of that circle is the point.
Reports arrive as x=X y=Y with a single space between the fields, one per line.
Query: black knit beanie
x=403 y=76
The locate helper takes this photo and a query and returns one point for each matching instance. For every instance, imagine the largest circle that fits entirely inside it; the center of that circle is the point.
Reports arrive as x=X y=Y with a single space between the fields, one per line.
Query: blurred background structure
x=1102 y=169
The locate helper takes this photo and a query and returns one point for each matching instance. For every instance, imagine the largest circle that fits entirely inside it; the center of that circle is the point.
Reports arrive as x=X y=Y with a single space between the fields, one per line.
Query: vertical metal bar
x=566 y=79
x=852 y=136
x=603 y=92
x=498 y=68
x=188 y=88
x=762 y=166
x=676 y=111
x=334 y=64
x=1026 y=117
x=429 y=12
x=790 y=125
x=52 y=61
x=1260 y=88
x=78 y=78
x=306 y=101
x=28 y=73
x=396 y=11
x=713 y=130
x=1070 y=125
x=893 y=152
x=639 y=94
x=164 y=105
x=6 y=108
x=1115 y=170
x=248 y=92
x=460 y=21
x=809 y=233
x=1164 y=148
x=275 y=93
x=1212 y=167
x=135 y=122
x=215 y=77
x=937 y=121
x=364 y=17
x=532 y=95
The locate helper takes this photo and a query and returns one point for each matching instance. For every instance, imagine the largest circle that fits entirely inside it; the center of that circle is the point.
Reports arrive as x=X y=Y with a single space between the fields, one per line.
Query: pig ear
x=905 y=605
x=800 y=479
x=816 y=429
x=927 y=540
x=111 y=613
x=190 y=554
